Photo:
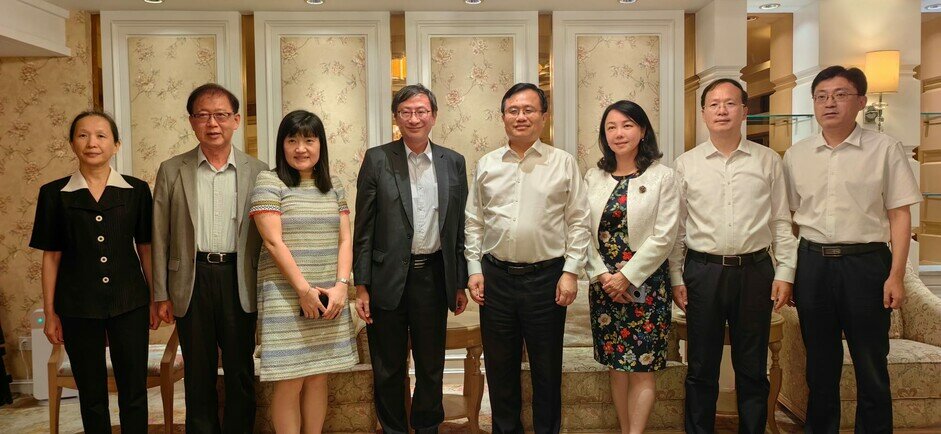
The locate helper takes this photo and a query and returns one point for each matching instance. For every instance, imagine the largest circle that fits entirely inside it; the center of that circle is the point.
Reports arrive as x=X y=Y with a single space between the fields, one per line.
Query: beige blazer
x=174 y=234
x=652 y=219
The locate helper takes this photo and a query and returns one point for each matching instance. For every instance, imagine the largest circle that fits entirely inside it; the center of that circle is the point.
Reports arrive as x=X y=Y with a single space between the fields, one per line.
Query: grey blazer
x=174 y=234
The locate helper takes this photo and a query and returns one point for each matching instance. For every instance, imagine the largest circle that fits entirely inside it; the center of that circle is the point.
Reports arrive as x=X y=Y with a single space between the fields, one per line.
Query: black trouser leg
x=235 y=330
x=388 y=349
x=543 y=324
x=85 y=345
x=128 y=336
x=428 y=326
x=749 y=329
x=502 y=335
x=705 y=320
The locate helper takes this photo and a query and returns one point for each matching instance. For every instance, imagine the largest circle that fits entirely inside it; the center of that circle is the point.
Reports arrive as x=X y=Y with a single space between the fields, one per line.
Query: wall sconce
x=882 y=74
x=398 y=68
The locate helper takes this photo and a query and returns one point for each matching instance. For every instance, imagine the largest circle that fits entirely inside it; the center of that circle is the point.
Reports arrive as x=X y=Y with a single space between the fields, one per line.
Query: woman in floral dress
x=634 y=208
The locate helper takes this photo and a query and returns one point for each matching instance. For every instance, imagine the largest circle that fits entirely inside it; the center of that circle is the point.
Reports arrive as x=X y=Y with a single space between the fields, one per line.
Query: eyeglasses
x=516 y=111
x=219 y=116
x=821 y=98
x=728 y=106
x=406 y=115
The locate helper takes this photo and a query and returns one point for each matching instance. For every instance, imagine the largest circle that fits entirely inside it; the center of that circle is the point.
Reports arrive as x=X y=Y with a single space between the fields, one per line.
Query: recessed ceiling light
x=934 y=7
x=769 y=6
x=315 y=2
x=751 y=18
x=627 y=2
x=472 y=2
x=153 y=2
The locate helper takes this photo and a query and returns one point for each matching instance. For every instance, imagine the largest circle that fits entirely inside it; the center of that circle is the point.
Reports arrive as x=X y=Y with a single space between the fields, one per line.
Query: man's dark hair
x=304 y=124
x=98 y=113
x=520 y=87
x=853 y=75
x=407 y=92
x=211 y=89
x=647 y=149
x=716 y=83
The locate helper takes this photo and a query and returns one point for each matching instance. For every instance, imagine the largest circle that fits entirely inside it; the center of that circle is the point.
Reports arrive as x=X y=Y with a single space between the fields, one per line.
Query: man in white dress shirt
x=850 y=189
x=733 y=208
x=527 y=234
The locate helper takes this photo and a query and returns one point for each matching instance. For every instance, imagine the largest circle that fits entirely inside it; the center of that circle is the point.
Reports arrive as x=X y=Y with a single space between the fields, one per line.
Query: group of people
x=225 y=244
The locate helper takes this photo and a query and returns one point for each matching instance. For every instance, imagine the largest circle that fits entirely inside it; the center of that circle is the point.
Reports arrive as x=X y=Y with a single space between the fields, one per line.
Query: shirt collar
x=202 y=158
x=409 y=152
x=539 y=148
x=854 y=139
x=77 y=182
x=743 y=146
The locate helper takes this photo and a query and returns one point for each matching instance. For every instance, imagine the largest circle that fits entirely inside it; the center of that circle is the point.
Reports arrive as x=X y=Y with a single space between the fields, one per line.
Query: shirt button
x=105 y=279
x=101 y=238
x=99 y=218
x=104 y=259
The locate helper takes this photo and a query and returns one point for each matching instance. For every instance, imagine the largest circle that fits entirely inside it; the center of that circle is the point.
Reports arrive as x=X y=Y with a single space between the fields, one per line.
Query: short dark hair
x=647 y=149
x=305 y=124
x=407 y=92
x=98 y=113
x=716 y=83
x=211 y=89
x=520 y=87
x=853 y=75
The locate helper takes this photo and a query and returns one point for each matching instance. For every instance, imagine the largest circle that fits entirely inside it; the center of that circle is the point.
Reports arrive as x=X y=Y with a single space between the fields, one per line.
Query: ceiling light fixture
x=472 y=2
x=315 y=2
x=934 y=7
x=627 y=2
x=153 y=2
x=769 y=6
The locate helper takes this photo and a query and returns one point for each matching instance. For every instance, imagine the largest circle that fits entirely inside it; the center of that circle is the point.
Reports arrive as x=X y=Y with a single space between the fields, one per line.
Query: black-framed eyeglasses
x=822 y=98
x=218 y=116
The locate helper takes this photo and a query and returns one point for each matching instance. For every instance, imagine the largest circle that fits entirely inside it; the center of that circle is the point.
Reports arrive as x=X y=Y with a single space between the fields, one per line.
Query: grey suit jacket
x=174 y=234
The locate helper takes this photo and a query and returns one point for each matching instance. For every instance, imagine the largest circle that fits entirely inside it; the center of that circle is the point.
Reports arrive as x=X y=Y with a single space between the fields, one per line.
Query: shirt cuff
x=784 y=274
x=676 y=278
x=473 y=267
x=571 y=266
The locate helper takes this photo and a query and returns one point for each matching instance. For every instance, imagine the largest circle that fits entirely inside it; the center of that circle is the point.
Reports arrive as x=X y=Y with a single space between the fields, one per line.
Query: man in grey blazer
x=408 y=260
x=205 y=257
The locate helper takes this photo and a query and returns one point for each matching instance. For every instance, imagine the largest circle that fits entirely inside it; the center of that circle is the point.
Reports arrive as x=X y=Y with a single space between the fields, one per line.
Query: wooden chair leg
x=55 y=396
x=166 y=392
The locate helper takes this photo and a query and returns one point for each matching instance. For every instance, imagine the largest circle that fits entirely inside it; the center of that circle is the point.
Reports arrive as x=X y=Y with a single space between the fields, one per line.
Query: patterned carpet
x=27 y=415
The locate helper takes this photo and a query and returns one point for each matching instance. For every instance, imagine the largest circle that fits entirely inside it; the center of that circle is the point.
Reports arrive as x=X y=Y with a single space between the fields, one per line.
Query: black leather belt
x=730 y=260
x=424 y=260
x=837 y=250
x=216 y=257
x=519 y=269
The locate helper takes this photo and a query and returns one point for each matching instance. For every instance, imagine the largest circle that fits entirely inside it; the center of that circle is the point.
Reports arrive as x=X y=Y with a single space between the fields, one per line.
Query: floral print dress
x=629 y=336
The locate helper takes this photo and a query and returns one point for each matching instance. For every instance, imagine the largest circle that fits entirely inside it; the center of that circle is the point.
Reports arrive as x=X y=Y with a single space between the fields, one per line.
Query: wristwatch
x=344 y=281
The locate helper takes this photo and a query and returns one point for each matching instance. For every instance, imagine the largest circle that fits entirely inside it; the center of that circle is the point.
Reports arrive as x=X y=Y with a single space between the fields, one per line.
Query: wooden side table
x=774 y=371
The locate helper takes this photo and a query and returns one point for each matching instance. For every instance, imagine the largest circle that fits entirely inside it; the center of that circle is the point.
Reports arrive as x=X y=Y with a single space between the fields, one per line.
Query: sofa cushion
x=911 y=366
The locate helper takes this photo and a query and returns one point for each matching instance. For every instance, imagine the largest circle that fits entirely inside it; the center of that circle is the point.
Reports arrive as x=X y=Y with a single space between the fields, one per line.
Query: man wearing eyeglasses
x=850 y=189
x=408 y=260
x=734 y=258
x=526 y=240
x=205 y=253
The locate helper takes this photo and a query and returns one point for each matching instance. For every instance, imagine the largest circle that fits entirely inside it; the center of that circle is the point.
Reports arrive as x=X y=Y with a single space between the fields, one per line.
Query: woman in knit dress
x=304 y=222
x=634 y=208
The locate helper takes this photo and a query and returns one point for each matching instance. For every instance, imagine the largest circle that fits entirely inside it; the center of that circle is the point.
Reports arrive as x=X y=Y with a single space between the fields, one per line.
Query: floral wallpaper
x=162 y=71
x=327 y=75
x=612 y=68
x=469 y=76
x=38 y=98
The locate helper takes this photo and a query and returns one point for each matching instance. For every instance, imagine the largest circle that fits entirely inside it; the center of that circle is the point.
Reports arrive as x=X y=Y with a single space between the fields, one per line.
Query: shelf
x=929 y=119
x=770 y=119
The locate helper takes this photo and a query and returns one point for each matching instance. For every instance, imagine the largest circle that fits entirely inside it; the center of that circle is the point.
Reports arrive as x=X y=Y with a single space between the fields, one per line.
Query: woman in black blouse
x=94 y=229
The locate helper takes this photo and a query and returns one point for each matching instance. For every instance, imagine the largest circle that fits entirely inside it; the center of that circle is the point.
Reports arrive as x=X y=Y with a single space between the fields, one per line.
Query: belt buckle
x=831 y=252
x=727 y=261
x=516 y=271
x=209 y=257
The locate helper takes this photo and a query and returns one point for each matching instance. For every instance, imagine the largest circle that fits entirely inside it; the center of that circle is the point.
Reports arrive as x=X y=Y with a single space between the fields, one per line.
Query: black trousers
x=837 y=295
x=422 y=316
x=521 y=309
x=215 y=320
x=742 y=296
x=127 y=335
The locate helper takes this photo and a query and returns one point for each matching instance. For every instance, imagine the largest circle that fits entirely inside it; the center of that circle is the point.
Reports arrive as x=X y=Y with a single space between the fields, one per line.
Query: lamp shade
x=882 y=71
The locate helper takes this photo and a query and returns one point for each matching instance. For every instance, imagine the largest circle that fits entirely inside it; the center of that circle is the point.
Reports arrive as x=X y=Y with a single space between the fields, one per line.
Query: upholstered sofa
x=914 y=363
x=586 y=391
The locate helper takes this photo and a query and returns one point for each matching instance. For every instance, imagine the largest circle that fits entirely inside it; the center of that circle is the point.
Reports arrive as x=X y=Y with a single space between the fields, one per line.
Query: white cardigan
x=652 y=219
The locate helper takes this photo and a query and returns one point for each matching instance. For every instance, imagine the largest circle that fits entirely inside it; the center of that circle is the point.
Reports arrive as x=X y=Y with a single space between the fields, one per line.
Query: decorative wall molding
x=33 y=28
x=116 y=29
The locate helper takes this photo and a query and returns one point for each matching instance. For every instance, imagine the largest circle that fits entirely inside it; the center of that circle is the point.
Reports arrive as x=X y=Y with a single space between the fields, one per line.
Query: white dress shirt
x=528 y=209
x=216 y=200
x=424 y=186
x=733 y=206
x=842 y=194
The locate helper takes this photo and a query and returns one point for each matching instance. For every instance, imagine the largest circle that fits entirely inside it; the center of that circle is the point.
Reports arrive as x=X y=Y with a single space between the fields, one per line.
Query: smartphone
x=638 y=294
x=324 y=300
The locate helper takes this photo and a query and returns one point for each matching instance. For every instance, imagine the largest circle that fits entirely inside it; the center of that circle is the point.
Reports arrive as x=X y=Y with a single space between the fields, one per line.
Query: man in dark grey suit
x=408 y=260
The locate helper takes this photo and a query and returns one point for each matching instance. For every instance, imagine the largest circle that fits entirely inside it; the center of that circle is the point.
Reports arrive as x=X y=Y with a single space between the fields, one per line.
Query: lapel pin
x=643 y=189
